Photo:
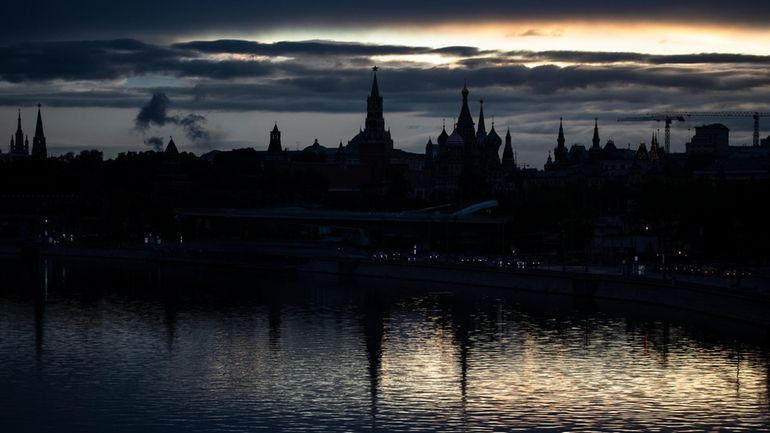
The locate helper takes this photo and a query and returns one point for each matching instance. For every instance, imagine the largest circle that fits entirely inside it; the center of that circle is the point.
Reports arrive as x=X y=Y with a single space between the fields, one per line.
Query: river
x=93 y=346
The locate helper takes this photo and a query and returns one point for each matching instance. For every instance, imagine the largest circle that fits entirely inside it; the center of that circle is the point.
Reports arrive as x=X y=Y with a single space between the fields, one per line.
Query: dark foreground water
x=88 y=346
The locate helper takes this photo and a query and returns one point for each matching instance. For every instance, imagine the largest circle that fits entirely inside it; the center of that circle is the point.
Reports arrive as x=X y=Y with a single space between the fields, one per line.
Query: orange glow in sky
x=653 y=38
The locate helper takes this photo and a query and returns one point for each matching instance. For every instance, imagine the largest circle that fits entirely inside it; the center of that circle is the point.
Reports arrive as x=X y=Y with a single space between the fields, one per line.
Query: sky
x=218 y=75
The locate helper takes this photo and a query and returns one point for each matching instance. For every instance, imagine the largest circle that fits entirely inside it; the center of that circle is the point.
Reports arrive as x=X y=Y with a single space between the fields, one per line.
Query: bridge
x=473 y=227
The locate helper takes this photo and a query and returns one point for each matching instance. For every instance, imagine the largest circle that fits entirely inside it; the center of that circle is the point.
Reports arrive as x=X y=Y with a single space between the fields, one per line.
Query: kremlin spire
x=482 y=129
x=375 y=86
x=560 y=153
x=596 y=140
x=375 y=122
x=509 y=161
x=465 y=121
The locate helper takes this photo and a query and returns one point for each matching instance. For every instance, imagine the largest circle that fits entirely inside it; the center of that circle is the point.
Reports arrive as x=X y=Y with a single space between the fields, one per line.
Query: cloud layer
x=46 y=18
x=526 y=90
x=327 y=76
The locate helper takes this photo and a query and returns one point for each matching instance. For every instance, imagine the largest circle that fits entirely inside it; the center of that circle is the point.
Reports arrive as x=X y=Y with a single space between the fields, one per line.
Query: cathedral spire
x=482 y=129
x=19 y=148
x=596 y=140
x=38 y=141
x=509 y=161
x=442 y=138
x=560 y=153
x=39 y=124
x=465 y=121
x=655 y=151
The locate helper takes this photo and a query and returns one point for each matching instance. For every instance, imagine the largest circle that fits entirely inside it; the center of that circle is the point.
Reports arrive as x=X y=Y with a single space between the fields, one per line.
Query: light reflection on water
x=134 y=348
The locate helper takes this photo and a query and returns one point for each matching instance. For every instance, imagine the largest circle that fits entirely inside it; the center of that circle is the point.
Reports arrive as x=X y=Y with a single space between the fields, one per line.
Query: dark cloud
x=615 y=57
x=320 y=48
x=111 y=59
x=46 y=19
x=155 y=113
x=341 y=64
x=300 y=48
x=460 y=51
x=82 y=60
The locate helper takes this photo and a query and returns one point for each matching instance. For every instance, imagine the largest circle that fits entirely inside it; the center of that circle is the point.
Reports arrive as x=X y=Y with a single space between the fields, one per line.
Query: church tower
x=595 y=151
x=375 y=122
x=275 y=141
x=373 y=144
x=17 y=146
x=171 y=149
x=38 y=141
x=481 y=132
x=429 y=152
x=656 y=153
x=509 y=161
x=442 y=138
x=465 y=125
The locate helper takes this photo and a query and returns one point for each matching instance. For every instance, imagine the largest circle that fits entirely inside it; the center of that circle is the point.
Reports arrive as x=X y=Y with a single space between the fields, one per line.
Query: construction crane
x=681 y=116
x=659 y=117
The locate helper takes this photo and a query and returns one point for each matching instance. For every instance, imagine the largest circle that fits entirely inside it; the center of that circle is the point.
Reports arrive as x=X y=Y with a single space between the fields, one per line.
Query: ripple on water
x=305 y=354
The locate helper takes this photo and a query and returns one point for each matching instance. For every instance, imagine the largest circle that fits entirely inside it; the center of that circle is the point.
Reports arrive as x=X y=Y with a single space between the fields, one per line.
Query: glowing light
x=432 y=59
x=643 y=37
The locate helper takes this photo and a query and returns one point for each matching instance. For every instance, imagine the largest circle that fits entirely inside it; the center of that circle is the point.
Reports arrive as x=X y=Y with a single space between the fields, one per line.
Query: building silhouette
x=469 y=154
x=274 y=148
x=20 y=148
x=369 y=162
x=373 y=144
x=598 y=161
x=710 y=140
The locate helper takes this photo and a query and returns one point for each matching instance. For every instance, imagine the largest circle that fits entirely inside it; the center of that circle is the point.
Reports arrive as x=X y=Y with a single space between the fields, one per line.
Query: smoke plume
x=156 y=113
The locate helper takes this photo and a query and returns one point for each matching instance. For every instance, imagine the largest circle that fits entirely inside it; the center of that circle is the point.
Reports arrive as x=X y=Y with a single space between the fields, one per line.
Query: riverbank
x=747 y=304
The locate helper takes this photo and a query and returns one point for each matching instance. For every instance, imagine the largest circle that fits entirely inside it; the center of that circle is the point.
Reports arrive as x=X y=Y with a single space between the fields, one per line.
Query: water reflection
x=121 y=347
x=373 y=317
x=274 y=321
x=170 y=303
